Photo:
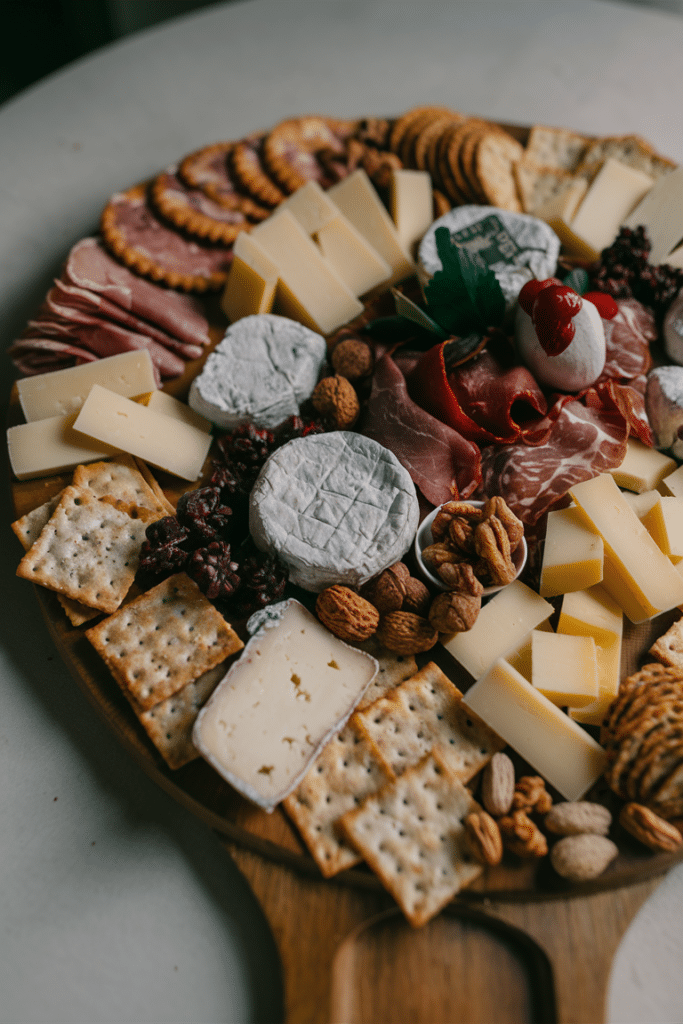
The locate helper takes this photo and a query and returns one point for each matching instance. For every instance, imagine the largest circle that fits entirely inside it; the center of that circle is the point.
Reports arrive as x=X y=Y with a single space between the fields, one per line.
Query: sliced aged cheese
x=661 y=214
x=572 y=554
x=593 y=613
x=611 y=196
x=643 y=468
x=637 y=574
x=64 y=391
x=672 y=512
x=609 y=673
x=51 y=445
x=572 y=244
x=261 y=371
x=673 y=483
x=563 y=205
x=164 y=442
x=648 y=507
x=311 y=206
x=293 y=687
x=564 y=667
x=252 y=280
x=308 y=288
x=335 y=507
x=358 y=264
x=411 y=203
x=161 y=401
x=358 y=200
x=560 y=750
x=502 y=625
x=520 y=657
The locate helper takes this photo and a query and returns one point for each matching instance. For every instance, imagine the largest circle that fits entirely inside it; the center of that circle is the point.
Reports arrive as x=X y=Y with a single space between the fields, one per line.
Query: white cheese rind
x=293 y=687
x=582 y=361
x=259 y=373
x=533 y=253
x=335 y=508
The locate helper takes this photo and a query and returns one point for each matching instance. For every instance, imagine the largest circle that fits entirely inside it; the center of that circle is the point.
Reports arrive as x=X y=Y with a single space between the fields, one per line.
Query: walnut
x=352 y=358
x=451 y=612
x=386 y=591
x=406 y=633
x=346 y=614
x=418 y=598
x=531 y=795
x=521 y=836
x=336 y=399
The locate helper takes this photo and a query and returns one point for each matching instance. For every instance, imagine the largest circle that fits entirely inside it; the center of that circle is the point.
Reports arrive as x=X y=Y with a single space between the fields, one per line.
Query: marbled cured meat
x=628 y=336
x=90 y=266
x=442 y=464
x=583 y=443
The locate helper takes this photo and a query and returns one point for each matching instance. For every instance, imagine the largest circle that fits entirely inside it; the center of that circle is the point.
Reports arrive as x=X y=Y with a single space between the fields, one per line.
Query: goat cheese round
x=582 y=361
x=261 y=371
x=516 y=246
x=664 y=403
x=336 y=508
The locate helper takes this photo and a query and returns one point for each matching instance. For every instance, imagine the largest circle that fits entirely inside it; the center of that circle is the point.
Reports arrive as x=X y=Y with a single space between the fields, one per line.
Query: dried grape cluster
x=624 y=271
x=208 y=537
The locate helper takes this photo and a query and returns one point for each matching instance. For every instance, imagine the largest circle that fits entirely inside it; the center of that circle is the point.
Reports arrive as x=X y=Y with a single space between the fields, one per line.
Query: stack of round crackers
x=643 y=737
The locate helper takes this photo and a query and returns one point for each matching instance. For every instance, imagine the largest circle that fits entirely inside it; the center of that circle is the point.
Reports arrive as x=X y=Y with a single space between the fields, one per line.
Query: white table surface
x=115 y=904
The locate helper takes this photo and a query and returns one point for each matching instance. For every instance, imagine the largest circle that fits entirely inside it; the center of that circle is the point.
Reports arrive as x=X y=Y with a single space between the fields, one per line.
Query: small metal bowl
x=423 y=538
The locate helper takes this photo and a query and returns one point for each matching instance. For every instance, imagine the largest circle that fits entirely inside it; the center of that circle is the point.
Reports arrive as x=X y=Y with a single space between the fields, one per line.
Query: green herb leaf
x=578 y=280
x=464 y=296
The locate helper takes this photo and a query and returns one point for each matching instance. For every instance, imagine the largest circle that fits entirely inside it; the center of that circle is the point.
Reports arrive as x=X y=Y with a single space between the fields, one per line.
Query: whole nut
x=451 y=612
x=484 y=838
x=335 y=398
x=406 y=633
x=352 y=358
x=498 y=784
x=522 y=836
x=417 y=599
x=531 y=795
x=649 y=828
x=386 y=591
x=574 y=817
x=580 y=858
x=346 y=614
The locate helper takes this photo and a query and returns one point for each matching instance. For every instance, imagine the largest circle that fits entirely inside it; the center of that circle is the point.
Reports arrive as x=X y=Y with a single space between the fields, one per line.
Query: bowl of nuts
x=485 y=535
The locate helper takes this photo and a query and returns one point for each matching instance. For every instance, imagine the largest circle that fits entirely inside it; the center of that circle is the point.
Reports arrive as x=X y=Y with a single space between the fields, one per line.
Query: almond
x=498 y=784
x=406 y=633
x=575 y=817
x=346 y=614
x=580 y=858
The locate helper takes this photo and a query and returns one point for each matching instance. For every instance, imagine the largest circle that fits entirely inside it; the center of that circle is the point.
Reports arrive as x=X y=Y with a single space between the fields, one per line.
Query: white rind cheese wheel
x=516 y=246
x=336 y=508
x=261 y=371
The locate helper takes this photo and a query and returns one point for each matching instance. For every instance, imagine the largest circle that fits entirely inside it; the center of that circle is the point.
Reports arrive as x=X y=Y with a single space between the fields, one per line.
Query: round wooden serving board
x=518 y=945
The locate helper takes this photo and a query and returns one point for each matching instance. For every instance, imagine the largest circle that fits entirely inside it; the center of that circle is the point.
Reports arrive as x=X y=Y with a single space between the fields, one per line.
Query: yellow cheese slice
x=358 y=200
x=520 y=658
x=673 y=483
x=637 y=574
x=615 y=190
x=648 y=507
x=564 y=667
x=64 y=391
x=160 y=401
x=411 y=204
x=661 y=214
x=51 y=445
x=503 y=624
x=572 y=244
x=311 y=206
x=553 y=744
x=609 y=673
x=166 y=443
x=672 y=511
x=643 y=468
x=252 y=280
x=593 y=613
x=351 y=256
x=308 y=289
x=572 y=554
x=564 y=205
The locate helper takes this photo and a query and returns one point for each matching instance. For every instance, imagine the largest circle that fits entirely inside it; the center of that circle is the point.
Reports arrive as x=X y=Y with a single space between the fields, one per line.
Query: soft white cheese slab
x=293 y=687
x=335 y=508
x=264 y=367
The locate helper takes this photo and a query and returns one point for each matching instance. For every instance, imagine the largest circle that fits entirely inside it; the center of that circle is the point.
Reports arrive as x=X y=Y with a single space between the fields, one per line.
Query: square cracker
x=555 y=147
x=159 y=642
x=169 y=723
x=669 y=648
x=393 y=669
x=88 y=551
x=412 y=835
x=423 y=713
x=344 y=773
x=120 y=478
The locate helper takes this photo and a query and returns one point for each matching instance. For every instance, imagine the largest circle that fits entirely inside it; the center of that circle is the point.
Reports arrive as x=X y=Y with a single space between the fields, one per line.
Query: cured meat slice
x=192 y=210
x=91 y=267
x=81 y=305
x=134 y=234
x=41 y=355
x=628 y=336
x=441 y=463
x=583 y=443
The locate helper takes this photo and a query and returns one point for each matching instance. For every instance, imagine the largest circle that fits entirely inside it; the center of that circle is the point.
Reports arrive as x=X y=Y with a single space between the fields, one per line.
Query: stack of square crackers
x=165 y=647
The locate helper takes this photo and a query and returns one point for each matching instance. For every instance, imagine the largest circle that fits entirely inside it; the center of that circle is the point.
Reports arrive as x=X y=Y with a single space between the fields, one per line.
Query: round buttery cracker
x=193 y=211
x=494 y=157
x=249 y=173
x=134 y=233
x=291 y=149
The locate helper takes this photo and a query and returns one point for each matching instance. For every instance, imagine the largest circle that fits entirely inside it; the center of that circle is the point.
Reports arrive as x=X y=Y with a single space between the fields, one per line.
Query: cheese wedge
x=611 y=196
x=411 y=204
x=564 y=667
x=643 y=468
x=51 y=445
x=572 y=554
x=252 y=280
x=648 y=507
x=661 y=214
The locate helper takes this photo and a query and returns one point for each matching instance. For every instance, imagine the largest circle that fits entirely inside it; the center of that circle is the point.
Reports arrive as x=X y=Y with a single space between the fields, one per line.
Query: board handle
x=349 y=956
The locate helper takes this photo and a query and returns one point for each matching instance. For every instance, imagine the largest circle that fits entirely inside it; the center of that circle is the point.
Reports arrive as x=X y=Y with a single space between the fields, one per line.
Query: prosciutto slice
x=42 y=355
x=583 y=443
x=441 y=463
x=90 y=266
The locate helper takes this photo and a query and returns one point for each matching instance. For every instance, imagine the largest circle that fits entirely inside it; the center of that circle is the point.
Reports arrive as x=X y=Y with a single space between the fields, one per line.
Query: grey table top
x=116 y=904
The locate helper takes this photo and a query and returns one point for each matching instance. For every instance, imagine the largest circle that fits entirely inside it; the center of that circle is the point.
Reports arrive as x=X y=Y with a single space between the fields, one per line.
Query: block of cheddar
x=643 y=468
x=564 y=667
x=572 y=554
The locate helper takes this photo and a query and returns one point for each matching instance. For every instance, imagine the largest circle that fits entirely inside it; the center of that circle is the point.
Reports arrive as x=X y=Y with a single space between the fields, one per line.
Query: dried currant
x=202 y=512
x=263 y=581
x=213 y=570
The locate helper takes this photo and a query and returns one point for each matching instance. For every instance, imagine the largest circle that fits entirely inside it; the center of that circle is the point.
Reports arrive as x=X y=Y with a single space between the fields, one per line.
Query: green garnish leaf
x=464 y=296
x=578 y=280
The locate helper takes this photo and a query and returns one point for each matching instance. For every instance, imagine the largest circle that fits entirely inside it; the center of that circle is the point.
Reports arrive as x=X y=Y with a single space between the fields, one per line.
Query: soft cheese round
x=664 y=403
x=582 y=361
x=516 y=246
x=261 y=371
x=336 y=508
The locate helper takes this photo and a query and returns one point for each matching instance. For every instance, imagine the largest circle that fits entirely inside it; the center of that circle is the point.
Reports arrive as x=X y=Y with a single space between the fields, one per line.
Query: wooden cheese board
x=518 y=945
